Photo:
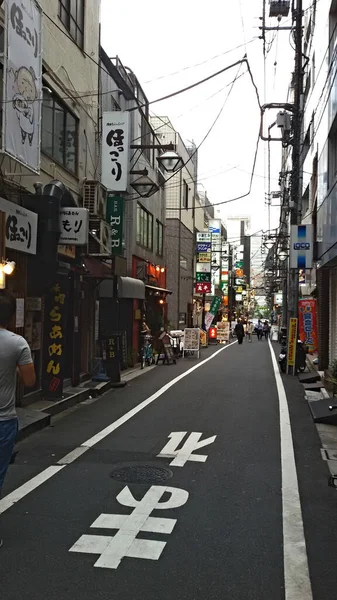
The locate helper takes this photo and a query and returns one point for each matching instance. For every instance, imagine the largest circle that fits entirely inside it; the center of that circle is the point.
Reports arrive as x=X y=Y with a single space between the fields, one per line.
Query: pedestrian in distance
x=250 y=331
x=15 y=358
x=266 y=329
x=259 y=329
x=240 y=332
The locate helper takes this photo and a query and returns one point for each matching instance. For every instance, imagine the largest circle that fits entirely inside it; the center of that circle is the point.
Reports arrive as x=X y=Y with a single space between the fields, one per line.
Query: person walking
x=266 y=329
x=15 y=357
x=250 y=331
x=240 y=332
x=259 y=329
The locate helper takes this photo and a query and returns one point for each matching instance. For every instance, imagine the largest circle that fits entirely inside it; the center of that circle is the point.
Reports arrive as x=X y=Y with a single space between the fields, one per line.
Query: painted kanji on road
x=182 y=455
x=112 y=549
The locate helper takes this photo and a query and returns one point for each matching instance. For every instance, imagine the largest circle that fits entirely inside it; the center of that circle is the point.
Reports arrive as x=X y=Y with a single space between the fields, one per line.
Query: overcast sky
x=156 y=39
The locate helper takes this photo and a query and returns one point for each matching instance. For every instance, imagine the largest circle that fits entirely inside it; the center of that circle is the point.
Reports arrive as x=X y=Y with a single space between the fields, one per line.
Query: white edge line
x=105 y=432
x=39 y=479
x=296 y=570
x=28 y=487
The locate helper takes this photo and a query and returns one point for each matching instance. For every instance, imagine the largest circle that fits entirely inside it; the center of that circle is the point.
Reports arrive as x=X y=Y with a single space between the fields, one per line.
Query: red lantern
x=212 y=333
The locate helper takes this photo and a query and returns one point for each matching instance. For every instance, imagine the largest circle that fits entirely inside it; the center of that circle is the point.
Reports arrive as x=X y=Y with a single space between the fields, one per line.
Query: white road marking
x=112 y=549
x=73 y=455
x=185 y=453
x=28 y=487
x=32 y=484
x=296 y=570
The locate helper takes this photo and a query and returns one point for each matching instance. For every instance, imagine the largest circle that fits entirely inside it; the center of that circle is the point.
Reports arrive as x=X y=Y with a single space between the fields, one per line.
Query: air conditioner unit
x=95 y=197
x=99 y=237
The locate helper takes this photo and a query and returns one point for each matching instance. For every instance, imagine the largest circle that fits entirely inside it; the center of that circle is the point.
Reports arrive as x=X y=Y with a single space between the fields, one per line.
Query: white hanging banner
x=23 y=82
x=115 y=150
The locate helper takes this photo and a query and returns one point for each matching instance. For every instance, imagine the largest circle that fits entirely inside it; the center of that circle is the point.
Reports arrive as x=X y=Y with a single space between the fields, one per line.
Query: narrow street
x=207 y=522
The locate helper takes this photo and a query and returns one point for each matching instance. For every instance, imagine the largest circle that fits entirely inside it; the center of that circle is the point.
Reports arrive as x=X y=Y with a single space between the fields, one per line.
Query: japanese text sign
x=74 y=226
x=204 y=257
x=203 y=236
x=55 y=336
x=203 y=288
x=115 y=150
x=20 y=227
x=203 y=277
x=114 y=216
x=203 y=246
x=308 y=323
x=292 y=342
x=23 y=82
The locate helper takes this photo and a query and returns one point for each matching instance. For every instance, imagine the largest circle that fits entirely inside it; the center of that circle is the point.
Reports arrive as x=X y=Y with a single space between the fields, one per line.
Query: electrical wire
x=204 y=61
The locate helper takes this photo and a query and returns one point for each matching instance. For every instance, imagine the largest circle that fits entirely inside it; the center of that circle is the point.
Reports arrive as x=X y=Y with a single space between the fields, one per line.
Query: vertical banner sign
x=307 y=324
x=292 y=342
x=115 y=216
x=301 y=247
x=212 y=312
x=56 y=302
x=115 y=150
x=214 y=226
x=23 y=82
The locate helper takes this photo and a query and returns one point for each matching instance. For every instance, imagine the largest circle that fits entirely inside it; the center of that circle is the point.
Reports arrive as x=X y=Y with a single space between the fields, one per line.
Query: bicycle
x=146 y=353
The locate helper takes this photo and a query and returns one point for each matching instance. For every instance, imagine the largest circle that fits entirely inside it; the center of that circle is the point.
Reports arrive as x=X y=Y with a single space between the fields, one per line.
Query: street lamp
x=269 y=243
x=283 y=255
x=144 y=186
x=170 y=161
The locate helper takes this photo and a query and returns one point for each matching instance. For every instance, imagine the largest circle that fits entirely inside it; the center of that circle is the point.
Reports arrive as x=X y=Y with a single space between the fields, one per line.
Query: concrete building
x=57 y=143
x=184 y=215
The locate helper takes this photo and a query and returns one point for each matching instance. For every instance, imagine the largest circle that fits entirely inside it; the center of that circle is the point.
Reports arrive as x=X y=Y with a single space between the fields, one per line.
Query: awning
x=96 y=268
x=158 y=289
x=130 y=287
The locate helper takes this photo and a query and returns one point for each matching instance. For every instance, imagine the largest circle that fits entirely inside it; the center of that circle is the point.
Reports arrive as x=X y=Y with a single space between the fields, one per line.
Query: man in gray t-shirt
x=15 y=357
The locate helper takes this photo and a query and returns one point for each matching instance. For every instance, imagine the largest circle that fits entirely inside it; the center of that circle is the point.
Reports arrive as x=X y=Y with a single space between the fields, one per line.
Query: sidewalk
x=39 y=414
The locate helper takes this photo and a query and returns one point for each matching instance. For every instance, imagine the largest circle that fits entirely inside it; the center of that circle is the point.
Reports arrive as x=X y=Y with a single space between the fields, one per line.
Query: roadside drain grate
x=329 y=453
x=144 y=473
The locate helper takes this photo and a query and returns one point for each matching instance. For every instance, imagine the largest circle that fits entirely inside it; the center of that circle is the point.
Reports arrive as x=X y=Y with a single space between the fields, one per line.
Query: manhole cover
x=141 y=474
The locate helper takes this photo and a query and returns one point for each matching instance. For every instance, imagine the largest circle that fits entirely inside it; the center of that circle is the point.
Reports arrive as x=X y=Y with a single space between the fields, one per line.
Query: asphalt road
x=221 y=527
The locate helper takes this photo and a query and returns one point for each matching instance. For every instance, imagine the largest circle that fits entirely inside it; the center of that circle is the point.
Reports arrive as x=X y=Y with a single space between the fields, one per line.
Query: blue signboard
x=203 y=246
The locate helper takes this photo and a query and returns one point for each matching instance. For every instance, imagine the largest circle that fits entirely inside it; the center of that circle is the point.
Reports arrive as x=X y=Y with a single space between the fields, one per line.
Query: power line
x=203 y=62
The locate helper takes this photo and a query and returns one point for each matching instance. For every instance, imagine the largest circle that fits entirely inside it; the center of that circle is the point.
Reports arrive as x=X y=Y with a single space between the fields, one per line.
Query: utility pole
x=296 y=192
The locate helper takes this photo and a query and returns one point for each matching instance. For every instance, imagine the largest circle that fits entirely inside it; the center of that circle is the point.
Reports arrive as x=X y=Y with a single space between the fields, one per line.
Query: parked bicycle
x=146 y=352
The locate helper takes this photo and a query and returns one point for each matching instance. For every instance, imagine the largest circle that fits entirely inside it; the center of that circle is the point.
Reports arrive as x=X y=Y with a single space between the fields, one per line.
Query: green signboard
x=215 y=305
x=203 y=277
x=114 y=217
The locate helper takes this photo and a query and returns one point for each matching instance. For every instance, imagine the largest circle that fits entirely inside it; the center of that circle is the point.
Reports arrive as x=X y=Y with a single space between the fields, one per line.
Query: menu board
x=223 y=331
x=192 y=339
x=166 y=355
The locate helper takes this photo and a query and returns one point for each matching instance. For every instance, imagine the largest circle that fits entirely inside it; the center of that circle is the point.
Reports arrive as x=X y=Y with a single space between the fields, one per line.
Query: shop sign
x=223 y=331
x=192 y=339
x=115 y=150
x=67 y=251
x=74 y=226
x=301 y=246
x=115 y=217
x=239 y=272
x=203 y=247
x=214 y=226
x=33 y=304
x=23 y=83
x=204 y=236
x=203 y=288
x=238 y=297
x=203 y=277
x=292 y=342
x=203 y=338
x=55 y=336
x=307 y=323
x=204 y=257
x=203 y=267
x=20 y=227
x=224 y=287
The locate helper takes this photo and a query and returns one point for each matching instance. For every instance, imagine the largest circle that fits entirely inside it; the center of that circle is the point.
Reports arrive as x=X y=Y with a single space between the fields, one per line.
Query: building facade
x=50 y=151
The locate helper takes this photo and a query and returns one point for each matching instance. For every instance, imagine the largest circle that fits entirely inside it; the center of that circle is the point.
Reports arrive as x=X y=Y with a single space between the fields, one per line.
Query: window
x=71 y=13
x=159 y=238
x=59 y=129
x=144 y=228
x=185 y=195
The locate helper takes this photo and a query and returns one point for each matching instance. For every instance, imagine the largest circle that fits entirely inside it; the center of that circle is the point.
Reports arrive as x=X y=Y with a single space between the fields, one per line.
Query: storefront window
x=144 y=228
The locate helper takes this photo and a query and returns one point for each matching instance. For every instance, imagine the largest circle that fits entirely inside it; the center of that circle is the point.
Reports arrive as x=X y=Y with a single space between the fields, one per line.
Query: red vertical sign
x=307 y=323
